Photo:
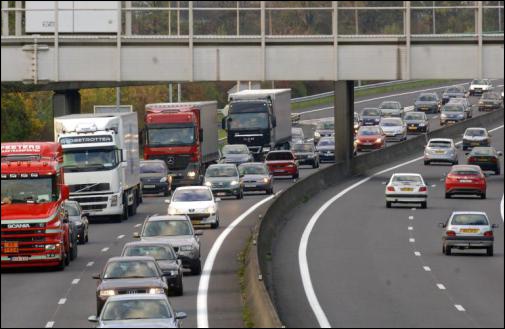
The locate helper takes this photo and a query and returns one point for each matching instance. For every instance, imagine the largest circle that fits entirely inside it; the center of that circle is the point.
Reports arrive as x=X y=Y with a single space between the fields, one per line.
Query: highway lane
x=368 y=272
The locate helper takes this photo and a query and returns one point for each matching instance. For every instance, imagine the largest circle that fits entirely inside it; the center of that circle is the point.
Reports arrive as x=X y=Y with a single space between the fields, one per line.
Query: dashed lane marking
x=412 y=240
x=62 y=301
x=105 y=249
x=459 y=308
x=417 y=253
x=90 y=264
x=75 y=281
x=411 y=228
x=427 y=268
x=120 y=236
x=137 y=225
x=440 y=286
x=411 y=217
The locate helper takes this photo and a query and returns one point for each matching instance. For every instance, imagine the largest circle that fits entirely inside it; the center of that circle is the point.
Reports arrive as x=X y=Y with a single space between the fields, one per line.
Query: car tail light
x=391 y=189
x=493 y=160
x=471 y=159
x=488 y=234
x=450 y=233
x=423 y=189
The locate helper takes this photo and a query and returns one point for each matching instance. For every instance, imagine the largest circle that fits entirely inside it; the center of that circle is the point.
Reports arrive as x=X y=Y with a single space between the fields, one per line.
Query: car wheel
x=455 y=163
x=215 y=225
x=388 y=204
x=296 y=176
x=197 y=269
x=167 y=192
x=314 y=165
x=87 y=238
x=497 y=172
x=67 y=257
x=270 y=191
x=447 y=196
x=424 y=205
x=483 y=196
x=426 y=163
x=490 y=251
x=447 y=250
x=61 y=265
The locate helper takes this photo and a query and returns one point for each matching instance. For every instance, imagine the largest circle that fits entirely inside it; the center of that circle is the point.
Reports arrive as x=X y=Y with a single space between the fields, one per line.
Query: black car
x=454 y=92
x=129 y=275
x=326 y=149
x=80 y=220
x=306 y=154
x=154 y=177
x=490 y=101
x=416 y=122
x=73 y=233
x=487 y=158
x=370 y=116
x=165 y=256
x=428 y=102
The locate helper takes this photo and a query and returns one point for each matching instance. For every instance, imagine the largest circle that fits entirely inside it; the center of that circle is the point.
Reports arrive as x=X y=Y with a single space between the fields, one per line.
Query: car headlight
x=209 y=184
x=78 y=223
x=186 y=248
x=444 y=116
x=211 y=210
x=113 y=201
x=377 y=119
x=266 y=180
x=107 y=293
x=481 y=102
x=234 y=183
x=461 y=115
x=317 y=134
x=191 y=174
x=156 y=291
x=378 y=140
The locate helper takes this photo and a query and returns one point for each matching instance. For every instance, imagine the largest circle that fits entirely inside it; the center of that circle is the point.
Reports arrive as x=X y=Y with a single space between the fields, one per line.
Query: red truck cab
x=35 y=229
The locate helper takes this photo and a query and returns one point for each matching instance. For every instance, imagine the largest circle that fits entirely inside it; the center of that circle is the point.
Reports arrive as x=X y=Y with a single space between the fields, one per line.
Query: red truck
x=184 y=135
x=35 y=227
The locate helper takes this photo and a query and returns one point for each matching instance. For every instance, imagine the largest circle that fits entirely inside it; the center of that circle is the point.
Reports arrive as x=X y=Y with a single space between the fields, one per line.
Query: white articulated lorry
x=101 y=161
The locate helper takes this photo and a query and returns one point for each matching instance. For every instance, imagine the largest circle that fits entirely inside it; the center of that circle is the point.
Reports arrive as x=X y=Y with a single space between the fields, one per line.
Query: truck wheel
x=132 y=210
x=388 y=204
x=424 y=205
x=124 y=215
x=483 y=196
x=447 y=196
x=61 y=265
x=497 y=172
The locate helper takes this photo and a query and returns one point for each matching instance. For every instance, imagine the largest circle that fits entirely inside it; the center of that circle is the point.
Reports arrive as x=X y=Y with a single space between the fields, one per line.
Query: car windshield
x=440 y=144
x=157 y=252
x=90 y=159
x=29 y=190
x=279 y=156
x=130 y=269
x=326 y=142
x=326 y=125
x=482 y=151
x=390 y=123
x=412 y=179
x=390 y=105
x=454 y=90
x=170 y=136
x=221 y=171
x=414 y=116
x=235 y=149
x=135 y=309
x=72 y=209
x=253 y=170
x=469 y=219
x=152 y=168
x=452 y=108
x=371 y=112
x=303 y=147
x=427 y=98
x=167 y=228
x=369 y=132
x=475 y=132
x=479 y=82
x=192 y=195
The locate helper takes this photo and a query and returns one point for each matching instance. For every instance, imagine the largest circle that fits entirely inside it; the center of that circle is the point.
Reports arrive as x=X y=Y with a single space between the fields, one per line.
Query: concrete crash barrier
x=260 y=292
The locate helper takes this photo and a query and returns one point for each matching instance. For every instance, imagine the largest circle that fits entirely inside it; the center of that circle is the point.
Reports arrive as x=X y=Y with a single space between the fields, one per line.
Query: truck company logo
x=86 y=139
x=18 y=225
x=20 y=148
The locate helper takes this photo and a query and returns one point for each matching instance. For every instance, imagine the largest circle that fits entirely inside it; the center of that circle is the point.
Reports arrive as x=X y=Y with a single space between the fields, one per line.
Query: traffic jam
x=101 y=167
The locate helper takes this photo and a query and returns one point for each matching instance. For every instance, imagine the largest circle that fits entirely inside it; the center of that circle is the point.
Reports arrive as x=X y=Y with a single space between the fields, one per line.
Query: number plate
x=220 y=193
x=407 y=189
x=278 y=170
x=440 y=152
x=469 y=230
x=20 y=259
x=412 y=128
x=465 y=180
x=149 y=186
x=250 y=185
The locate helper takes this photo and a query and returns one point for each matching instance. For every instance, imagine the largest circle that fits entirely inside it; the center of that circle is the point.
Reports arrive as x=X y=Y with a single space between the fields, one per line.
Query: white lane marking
x=203 y=286
x=382 y=97
x=310 y=140
x=120 y=236
x=302 y=249
x=440 y=286
x=62 y=301
x=105 y=249
x=459 y=308
x=427 y=268
x=90 y=264
x=412 y=240
x=501 y=206
x=411 y=217
x=435 y=117
x=411 y=228
x=50 y=324
x=413 y=209
x=75 y=281
x=417 y=253
x=137 y=225
x=434 y=185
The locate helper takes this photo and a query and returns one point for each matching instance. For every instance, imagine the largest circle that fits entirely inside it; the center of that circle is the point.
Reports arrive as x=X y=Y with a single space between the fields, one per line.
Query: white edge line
x=459 y=308
x=75 y=281
x=501 y=208
x=203 y=287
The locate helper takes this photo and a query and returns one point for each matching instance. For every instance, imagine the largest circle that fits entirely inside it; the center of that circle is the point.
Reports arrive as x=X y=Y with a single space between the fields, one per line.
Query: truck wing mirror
x=274 y=121
x=65 y=193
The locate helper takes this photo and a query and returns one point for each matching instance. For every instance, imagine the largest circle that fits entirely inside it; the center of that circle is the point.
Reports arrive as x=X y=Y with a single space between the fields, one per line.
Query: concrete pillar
x=66 y=102
x=344 y=118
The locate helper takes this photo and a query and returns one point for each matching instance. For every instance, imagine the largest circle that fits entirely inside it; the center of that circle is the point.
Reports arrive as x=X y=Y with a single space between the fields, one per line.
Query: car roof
x=281 y=151
x=461 y=212
x=130 y=258
x=476 y=128
x=147 y=243
x=415 y=112
x=159 y=218
x=431 y=94
x=440 y=140
x=252 y=164
x=137 y=296
x=223 y=165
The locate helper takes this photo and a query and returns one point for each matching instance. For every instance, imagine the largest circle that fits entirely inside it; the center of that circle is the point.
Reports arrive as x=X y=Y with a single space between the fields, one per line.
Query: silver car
x=138 y=311
x=441 y=150
x=391 y=109
x=466 y=105
x=395 y=129
x=256 y=177
x=468 y=230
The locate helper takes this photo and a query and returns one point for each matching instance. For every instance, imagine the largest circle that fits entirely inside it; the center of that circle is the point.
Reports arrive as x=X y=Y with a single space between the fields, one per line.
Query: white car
x=406 y=188
x=395 y=129
x=480 y=86
x=476 y=137
x=197 y=202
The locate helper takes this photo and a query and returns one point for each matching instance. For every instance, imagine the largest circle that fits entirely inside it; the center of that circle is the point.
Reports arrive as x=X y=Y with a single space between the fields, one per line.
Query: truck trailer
x=101 y=162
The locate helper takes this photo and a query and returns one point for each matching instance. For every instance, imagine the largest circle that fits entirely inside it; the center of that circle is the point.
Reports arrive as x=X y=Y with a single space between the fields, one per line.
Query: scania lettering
x=101 y=161
x=35 y=229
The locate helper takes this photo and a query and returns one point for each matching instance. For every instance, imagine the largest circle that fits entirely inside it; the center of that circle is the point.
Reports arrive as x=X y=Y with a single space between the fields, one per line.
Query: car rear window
x=391 y=123
x=414 y=116
x=440 y=144
x=152 y=168
x=469 y=219
x=221 y=171
x=482 y=152
x=475 y=132
x=453 y=90
x=252 y=170
x=427 y=98
x=303 y=147
x=407 y=179
x=389 y=105
x=279 y=156
x=371 y=112
x=369 y=132
x=453 y=107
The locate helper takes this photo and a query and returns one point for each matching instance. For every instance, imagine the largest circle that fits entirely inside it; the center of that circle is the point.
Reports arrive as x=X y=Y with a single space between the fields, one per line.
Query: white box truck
x=261 y=119
x=101 y=161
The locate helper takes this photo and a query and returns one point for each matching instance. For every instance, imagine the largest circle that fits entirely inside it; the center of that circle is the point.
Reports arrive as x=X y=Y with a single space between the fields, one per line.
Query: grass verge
x=242 y=258
x=371 y=92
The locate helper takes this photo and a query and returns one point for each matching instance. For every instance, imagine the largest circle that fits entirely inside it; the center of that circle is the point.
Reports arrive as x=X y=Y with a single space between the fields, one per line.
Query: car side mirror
x=96 y=276
x=136 y=235
x=180 y=315
x=92 y=318
x=199 y=233
x=500 y=153
x=441 y=225
x=495 y=226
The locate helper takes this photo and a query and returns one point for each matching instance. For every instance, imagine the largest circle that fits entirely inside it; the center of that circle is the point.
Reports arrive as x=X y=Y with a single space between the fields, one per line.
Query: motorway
x=376 y=267
x=66 y=299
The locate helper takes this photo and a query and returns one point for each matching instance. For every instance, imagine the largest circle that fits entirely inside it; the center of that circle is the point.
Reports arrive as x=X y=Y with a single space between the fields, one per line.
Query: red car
x=465 y=179
x=370 y=138
x=282 y=163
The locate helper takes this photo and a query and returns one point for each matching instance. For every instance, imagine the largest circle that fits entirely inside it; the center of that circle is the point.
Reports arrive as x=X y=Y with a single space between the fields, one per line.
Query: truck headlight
x=50 y=247
x=156 y=291
x=191 y=174
x=113 y=201
x=107 y=293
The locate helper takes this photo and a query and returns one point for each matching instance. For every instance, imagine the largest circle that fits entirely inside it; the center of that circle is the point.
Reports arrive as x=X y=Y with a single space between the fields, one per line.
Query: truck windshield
x=247 y=121
x=89 y=159
x=170 y=136
x=29 y=190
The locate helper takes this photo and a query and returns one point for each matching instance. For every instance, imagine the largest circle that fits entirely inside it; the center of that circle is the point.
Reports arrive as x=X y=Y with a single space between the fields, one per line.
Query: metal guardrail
x=330 y=93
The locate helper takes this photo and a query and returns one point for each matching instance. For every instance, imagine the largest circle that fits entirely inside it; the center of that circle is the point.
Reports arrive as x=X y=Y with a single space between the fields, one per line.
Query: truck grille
x=93 y=206
x=174 y=162
x=89 y=199
x=31 y=239
x=89 y=187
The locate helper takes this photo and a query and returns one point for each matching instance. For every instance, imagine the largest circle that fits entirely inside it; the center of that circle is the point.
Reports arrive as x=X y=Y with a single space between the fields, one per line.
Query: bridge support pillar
x=66 y=102
x=344 y=121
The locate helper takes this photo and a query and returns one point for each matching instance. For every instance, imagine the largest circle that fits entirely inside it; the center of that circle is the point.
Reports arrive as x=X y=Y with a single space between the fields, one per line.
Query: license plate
x=412 y=128
x=220 y=193
x=20 y=259
x=250 y=185
x=149 y=186
x=367 y=143
x=278 y=170
x=440 y=152
x=407 y=189
x=465 y=181
x=469 y=230
x=196 y=222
